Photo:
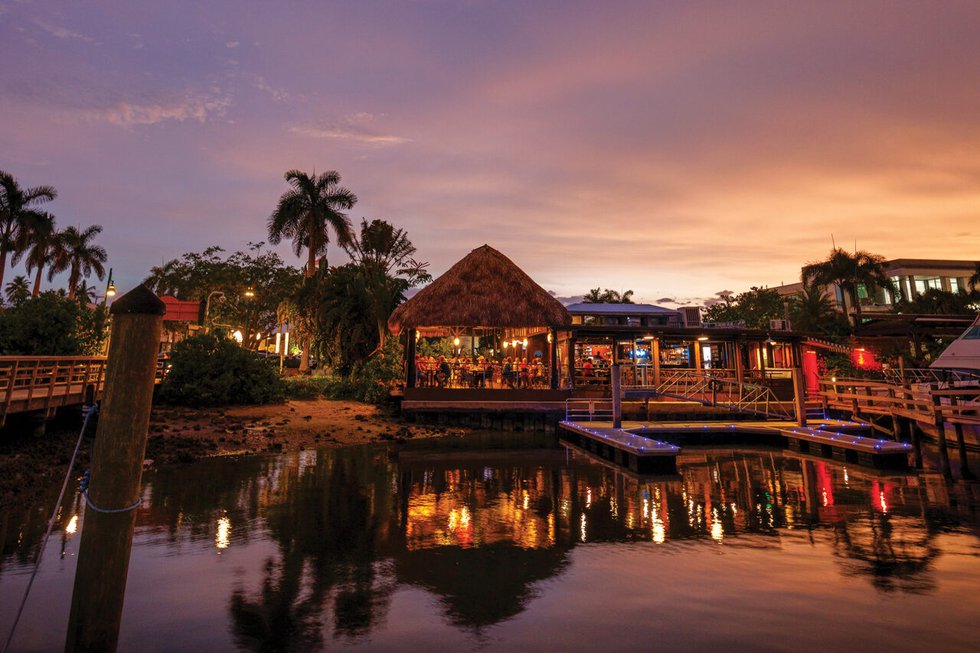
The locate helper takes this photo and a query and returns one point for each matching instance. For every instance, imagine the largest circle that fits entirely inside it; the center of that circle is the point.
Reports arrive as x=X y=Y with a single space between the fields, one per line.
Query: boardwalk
x=46 y=383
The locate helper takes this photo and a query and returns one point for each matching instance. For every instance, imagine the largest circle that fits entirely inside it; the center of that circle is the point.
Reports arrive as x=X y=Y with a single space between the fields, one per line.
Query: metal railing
x=588 y=410
x=712 y=390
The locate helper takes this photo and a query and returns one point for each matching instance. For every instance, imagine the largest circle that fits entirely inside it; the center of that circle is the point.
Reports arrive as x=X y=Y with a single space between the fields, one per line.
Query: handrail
x=588 y=410
x=929 y=375
x=711 y=390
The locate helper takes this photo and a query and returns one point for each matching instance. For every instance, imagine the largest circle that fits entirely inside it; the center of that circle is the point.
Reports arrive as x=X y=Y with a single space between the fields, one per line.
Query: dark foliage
x=51 y=325
x=212 y=370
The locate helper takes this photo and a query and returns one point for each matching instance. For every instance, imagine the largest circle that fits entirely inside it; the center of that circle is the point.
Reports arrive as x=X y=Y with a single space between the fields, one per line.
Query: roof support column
x=410 y=358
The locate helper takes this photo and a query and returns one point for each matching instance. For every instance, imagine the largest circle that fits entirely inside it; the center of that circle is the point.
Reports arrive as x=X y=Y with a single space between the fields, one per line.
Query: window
x=954 y=284
x=973 y=333
x=922 y=284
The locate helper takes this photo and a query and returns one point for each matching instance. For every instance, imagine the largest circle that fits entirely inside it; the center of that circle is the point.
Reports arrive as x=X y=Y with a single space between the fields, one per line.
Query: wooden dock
x=841 y=440
x=634 y=451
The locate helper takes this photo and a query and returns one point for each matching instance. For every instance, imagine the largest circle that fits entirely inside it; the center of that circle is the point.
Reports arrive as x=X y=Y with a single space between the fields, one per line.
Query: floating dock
x=643 y=448
x=634 y=451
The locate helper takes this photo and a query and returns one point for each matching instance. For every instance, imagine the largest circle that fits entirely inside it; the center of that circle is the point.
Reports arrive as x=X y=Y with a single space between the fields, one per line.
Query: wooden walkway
x=46 y=383
x=634 y=451
x=842 y=440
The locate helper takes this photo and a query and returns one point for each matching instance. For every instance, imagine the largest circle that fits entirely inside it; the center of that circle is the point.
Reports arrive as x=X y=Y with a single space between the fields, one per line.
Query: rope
x=88 y=411
x=108 y=511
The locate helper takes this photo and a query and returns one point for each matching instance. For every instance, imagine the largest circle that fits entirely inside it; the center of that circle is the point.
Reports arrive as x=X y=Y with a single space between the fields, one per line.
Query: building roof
x=484 y=289
x=631 y=310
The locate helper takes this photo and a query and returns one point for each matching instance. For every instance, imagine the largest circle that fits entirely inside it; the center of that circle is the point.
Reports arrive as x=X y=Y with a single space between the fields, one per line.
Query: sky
x=677 y=149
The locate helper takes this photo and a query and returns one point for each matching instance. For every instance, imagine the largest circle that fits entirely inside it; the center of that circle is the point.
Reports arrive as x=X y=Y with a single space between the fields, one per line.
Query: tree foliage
x=346 y=308
x=942 y=302
x=607 y=296
x=811 y=311
x=77 y=254
x=210 y=369
x=196 y=275
x=18 y=290
x=18 y=209
x=51 y=325
x=755 y=307
x=847 y=271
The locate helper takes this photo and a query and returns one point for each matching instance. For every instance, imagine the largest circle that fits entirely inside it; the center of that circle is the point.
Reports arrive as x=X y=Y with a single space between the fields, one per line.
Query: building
x=911 y=278
x=623 y=315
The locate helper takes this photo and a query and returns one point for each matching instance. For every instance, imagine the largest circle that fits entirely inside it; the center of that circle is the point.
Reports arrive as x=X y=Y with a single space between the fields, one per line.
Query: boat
x=963 y=353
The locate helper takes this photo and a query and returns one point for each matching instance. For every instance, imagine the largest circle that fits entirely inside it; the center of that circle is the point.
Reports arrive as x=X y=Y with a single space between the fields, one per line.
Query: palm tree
x=16 y=208
x=812 y=310
x=39 y=243
x=847 y=271
x=18 y=290
x=607 y=296
x=85 y=293
x=594 y=296
x=79 y=255
x=305 y=214
x=383 y=255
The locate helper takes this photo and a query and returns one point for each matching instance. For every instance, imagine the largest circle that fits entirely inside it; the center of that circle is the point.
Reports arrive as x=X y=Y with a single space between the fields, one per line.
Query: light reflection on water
x=523 y=549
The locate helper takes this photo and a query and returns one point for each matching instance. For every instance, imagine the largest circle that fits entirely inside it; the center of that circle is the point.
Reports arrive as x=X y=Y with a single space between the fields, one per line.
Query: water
x=522 y=550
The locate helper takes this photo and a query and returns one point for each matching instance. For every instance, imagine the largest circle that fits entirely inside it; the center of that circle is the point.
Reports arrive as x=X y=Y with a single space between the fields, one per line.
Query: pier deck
x=635 y=451
x=838 y=439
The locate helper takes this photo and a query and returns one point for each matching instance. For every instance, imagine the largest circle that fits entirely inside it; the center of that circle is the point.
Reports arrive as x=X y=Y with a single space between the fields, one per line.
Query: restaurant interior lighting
x=455 y=342
x=702 y=338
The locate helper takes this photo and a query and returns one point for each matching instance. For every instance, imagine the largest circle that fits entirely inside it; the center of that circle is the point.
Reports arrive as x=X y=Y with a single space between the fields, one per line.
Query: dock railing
x=47 y=382
x=588 y=410
x=721 y=390
x=926 y=402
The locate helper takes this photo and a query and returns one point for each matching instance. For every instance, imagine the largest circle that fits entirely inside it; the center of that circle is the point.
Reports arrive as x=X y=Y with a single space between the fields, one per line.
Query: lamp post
x=207 y=306
x=110 y=289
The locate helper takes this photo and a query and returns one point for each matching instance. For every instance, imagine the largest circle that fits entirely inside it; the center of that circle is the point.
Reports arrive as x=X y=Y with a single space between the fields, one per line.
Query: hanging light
x=111 y=290
x=455 y=342
x=505 y=344
x=525 y=343
x=249 y=292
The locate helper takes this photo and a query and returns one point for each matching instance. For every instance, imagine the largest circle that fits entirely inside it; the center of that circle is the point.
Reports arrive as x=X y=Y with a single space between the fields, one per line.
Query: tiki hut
x=484 y=298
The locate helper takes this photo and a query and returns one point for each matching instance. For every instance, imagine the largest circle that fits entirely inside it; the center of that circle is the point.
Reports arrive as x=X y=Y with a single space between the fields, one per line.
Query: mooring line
x=89 y=411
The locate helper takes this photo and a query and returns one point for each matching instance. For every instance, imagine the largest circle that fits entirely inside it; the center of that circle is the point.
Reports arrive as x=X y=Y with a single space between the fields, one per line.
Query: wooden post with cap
x=117 y=471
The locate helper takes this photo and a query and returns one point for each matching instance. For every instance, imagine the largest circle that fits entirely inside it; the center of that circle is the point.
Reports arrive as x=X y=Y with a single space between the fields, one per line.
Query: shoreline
x=31 y=464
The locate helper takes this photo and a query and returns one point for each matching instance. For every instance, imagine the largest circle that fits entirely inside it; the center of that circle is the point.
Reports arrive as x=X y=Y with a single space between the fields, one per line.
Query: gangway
x=711 y=390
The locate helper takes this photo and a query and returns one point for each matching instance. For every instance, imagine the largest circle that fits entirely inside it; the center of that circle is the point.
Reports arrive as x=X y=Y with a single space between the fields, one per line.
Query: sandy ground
x=290 y=426
x=31 y=464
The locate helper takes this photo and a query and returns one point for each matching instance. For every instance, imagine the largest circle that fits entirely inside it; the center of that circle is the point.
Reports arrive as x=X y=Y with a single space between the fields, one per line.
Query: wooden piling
x=941 y=432
x=617 y=395
x=117 y=470
x=965 y=472
x=799 y=399
x=916 y=434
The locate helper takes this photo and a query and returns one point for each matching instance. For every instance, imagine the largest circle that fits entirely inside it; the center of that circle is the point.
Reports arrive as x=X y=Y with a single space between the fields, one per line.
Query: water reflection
x=336 y=535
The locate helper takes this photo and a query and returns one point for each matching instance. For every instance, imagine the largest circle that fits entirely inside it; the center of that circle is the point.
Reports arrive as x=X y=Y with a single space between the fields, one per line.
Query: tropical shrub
x=51 y=325
x=212 y=370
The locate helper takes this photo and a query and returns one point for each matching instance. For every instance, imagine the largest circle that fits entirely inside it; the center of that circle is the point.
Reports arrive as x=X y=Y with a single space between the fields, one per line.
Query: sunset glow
x=674 y=148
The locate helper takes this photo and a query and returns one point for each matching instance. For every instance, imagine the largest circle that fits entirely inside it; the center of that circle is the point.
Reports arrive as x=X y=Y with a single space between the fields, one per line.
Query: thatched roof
x=485 y=289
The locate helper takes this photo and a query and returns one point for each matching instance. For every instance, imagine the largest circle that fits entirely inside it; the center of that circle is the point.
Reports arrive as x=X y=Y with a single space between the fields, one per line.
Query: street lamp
x=207 y=305
x=110 y=289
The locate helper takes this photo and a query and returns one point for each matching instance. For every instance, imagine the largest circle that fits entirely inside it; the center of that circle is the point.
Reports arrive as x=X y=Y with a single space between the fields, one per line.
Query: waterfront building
x=511 y=341
x=910 y=278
